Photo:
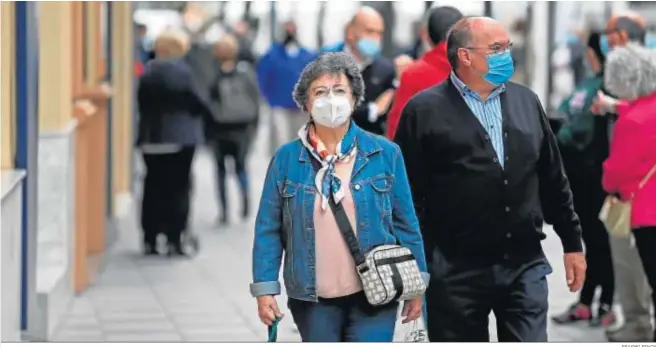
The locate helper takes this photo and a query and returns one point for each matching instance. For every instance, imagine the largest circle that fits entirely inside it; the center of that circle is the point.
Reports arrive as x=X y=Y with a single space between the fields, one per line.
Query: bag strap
x=343 y=223
x=647 y=177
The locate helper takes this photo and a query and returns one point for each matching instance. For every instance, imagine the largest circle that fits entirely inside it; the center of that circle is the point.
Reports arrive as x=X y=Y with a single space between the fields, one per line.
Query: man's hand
x=267 y=309
x=575 y=267
x=383 y=102
x=400 y=63
x=412 y=309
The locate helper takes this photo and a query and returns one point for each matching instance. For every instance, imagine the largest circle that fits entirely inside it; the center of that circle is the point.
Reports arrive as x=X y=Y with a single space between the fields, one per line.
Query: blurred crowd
x=606 y=131
x=195 y=93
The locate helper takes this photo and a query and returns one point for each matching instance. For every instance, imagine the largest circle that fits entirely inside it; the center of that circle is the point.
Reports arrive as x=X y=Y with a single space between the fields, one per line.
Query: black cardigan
x=469 y=206
x=378 y=78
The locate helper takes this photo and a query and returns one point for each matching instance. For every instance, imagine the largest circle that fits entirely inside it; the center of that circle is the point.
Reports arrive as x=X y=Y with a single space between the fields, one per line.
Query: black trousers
x=646 y=243
x=166 y=195
x=237 y=149
x=460 y=298
x=588 y=200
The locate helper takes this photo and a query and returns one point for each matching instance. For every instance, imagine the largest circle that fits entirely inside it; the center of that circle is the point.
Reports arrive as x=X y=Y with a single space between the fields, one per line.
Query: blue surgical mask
x=603 y=44
x=572 y=38
x=650 y=41
x=368 y=48
x=500 y=68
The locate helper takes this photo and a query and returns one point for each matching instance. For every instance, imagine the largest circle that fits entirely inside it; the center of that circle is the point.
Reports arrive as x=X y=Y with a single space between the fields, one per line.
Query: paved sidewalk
x=207 y=298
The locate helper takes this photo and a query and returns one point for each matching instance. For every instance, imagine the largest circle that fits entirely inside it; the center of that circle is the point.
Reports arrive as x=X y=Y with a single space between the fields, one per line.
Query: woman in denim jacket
x=363 y=172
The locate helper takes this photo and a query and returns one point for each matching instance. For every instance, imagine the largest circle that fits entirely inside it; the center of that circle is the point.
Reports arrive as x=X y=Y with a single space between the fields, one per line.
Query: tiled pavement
x=207 y=298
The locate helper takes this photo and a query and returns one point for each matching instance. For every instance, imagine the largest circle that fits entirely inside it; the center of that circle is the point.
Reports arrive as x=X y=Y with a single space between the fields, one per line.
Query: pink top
x=336 y=274
x=632 y=154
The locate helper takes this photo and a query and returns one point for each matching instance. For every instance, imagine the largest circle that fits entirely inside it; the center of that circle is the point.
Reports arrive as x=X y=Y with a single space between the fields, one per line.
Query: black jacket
x=378 y=78
x=171 y=104
x=469 y=206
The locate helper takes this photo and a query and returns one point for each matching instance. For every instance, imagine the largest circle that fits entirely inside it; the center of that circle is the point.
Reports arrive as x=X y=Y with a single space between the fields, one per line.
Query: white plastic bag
x=415 y=332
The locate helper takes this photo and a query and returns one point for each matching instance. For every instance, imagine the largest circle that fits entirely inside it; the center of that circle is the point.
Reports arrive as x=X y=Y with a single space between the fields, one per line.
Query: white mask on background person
x=331 y=111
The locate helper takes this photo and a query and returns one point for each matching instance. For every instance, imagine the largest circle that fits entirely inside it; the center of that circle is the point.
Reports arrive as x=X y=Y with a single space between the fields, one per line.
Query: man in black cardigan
x=485 y=173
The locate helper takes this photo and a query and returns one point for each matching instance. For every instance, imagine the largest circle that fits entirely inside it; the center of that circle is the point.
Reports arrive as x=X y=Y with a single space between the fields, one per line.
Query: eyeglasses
x=496 y=47
x=336 y=90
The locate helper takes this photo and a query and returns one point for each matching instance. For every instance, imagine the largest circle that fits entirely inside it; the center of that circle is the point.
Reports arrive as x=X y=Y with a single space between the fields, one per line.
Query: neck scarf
x=326 y=181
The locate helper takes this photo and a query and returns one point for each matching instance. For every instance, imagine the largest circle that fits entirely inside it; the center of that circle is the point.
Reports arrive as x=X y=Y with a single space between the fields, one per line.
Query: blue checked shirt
x=488 y=112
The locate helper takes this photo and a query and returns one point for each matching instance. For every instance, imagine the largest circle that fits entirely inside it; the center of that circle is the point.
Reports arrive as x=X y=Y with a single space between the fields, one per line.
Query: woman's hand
x=604 y=104
x=267 y=309
x=412 y=309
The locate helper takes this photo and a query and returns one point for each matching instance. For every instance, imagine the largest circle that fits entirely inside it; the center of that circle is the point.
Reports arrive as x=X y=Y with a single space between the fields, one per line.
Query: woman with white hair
x=171 y=111
x=630 y=170
x=337 y=202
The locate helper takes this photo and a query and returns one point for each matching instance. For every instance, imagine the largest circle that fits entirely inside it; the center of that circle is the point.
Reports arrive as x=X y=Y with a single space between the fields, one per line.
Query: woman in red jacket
x=630 y=170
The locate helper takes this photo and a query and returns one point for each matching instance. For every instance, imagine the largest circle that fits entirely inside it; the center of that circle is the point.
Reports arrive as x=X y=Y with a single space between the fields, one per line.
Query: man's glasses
x=495 y=47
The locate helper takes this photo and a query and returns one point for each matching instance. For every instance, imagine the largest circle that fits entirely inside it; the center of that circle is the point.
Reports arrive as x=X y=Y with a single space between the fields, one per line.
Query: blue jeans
x=346 y=319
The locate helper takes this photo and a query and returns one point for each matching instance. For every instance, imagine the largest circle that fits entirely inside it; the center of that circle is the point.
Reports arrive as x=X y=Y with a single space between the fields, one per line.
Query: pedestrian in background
x=235 y=100
x=486 y=173
x=631 y=283
x=630 y=170
x=583 y=142
x=362 y=41
x=431 y=69
x=277 y=73
x=354 y=168
x=171 y=110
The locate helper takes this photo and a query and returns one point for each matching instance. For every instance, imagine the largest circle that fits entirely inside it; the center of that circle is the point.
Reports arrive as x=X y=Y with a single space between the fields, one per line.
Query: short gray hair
x=329 y=63
x=630 y=71
x=459 y=36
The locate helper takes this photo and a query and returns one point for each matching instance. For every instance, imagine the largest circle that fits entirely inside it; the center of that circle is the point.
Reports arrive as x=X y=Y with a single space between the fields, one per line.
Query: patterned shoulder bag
x=388 y=272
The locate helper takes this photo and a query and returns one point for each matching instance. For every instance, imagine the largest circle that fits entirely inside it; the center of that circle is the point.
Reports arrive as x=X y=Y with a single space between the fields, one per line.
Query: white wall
x=55 y=229
x=11 y=229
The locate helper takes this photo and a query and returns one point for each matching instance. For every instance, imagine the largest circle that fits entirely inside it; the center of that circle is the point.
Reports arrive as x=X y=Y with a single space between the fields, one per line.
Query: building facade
x=66 y=161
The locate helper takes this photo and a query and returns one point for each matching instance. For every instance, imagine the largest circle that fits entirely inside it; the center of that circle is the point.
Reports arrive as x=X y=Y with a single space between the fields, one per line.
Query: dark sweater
x=469 y=206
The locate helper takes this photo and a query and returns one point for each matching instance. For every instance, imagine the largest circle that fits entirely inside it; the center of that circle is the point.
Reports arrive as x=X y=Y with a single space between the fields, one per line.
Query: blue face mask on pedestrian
x=368 y=48
x=603 y=44
x=500 y=68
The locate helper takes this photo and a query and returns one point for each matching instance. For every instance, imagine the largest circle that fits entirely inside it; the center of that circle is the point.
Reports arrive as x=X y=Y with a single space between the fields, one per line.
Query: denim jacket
x=385 y=214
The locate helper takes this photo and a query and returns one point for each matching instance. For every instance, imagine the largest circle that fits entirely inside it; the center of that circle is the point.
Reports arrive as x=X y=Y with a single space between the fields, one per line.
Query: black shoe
x=223 y=219
x=245 y=208
x=149 y=249
x=175 y=250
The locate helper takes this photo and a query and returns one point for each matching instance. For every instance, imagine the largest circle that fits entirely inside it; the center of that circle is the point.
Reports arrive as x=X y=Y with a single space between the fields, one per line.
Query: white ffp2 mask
x=331 y=111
